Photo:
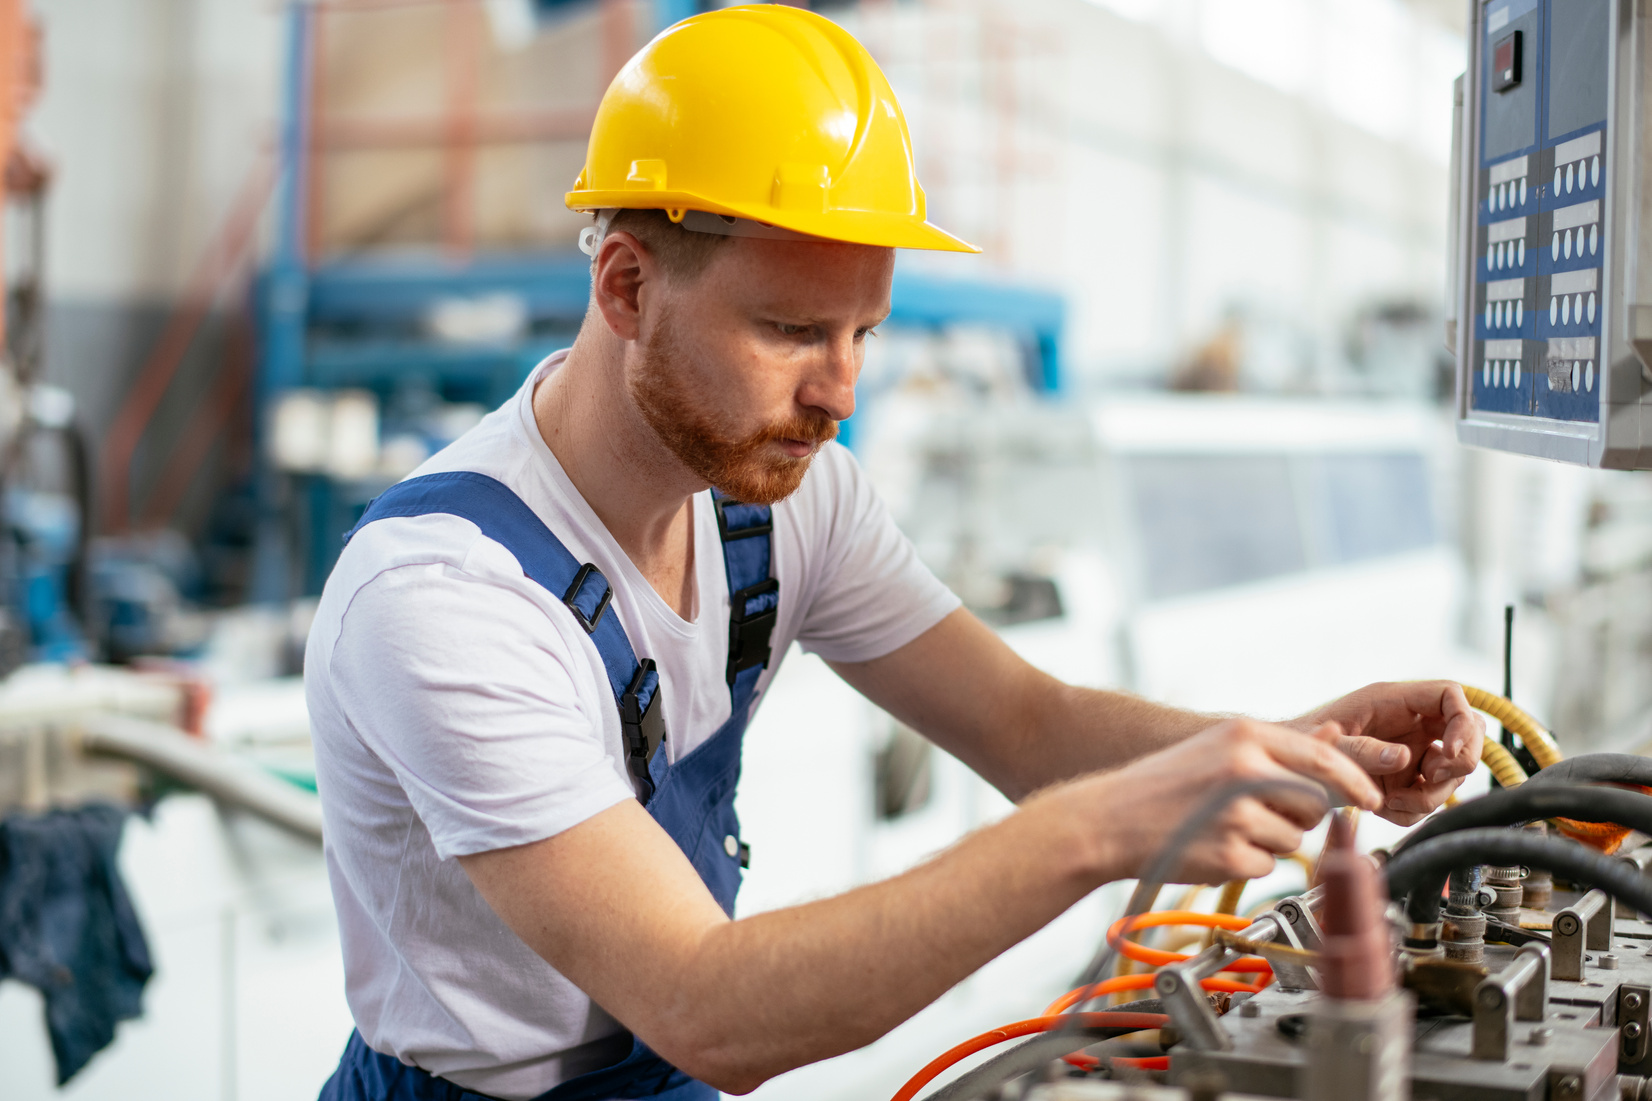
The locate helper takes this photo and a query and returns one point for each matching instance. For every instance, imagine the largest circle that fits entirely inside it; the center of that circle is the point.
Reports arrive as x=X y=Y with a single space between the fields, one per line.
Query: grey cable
x=1148 y=887
x=1597 y=768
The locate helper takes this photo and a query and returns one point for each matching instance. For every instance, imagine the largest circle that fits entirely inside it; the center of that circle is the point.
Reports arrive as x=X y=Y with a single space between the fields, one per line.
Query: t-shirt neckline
x=650 y=601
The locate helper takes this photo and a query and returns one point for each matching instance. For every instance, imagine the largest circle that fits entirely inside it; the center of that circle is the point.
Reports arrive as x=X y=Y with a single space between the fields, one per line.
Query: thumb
x=1376 y=757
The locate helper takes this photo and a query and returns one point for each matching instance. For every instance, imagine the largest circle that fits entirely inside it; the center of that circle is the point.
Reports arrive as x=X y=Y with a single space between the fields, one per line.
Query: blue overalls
x=692 y=799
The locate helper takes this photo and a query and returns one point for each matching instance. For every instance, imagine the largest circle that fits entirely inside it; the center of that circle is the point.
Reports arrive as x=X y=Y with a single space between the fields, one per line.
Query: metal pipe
x=226 y=778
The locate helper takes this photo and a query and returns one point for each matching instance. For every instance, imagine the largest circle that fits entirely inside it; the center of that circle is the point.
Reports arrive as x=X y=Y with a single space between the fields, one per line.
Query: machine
x=1551 y=305
x=1500 y=952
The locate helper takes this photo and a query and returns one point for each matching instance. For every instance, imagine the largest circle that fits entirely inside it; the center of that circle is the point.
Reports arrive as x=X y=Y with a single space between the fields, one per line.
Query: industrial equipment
x=1501 y=951
x=1551 y=301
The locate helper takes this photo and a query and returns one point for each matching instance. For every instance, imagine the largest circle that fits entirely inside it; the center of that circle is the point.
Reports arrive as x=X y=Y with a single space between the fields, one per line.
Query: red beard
x=745 y=468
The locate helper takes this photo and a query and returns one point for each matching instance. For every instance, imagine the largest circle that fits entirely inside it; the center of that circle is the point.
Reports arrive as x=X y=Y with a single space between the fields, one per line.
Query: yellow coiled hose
x=1541 y=745
x=1502 y=764
x=1537 y=741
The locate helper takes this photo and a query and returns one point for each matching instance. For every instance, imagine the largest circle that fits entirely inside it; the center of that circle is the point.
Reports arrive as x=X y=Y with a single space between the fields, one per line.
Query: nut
x=1608 y=960
x=1539 y=1036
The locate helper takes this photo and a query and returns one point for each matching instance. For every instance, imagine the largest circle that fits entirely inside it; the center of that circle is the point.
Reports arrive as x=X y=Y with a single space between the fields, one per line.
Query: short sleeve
x=871 y=594
x=470 y=694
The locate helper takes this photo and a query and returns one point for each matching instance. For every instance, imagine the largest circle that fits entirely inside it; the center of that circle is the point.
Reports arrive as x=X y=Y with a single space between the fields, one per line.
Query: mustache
x=816 y=429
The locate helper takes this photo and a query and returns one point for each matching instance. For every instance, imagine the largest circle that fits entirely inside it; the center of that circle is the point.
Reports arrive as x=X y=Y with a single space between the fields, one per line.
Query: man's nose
x=830 y=385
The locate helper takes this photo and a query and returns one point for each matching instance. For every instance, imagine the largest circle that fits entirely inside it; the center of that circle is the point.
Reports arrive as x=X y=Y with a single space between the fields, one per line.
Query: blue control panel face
x=1539 y=230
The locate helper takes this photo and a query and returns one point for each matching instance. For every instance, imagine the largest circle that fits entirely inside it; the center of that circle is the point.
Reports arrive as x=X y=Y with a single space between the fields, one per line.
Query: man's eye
x=861 y=334
x=788 y=330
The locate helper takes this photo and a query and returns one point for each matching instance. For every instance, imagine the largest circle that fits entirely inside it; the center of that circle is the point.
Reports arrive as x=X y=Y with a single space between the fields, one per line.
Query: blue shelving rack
x=334 y=323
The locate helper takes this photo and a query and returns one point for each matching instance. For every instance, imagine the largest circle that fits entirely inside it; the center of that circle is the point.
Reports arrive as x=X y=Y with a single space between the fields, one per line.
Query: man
x=529 y=680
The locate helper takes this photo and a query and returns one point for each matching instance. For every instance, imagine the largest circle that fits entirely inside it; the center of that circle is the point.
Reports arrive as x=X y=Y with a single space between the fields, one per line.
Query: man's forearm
x=778 y=990
x=1079 y=730
x=961 y=686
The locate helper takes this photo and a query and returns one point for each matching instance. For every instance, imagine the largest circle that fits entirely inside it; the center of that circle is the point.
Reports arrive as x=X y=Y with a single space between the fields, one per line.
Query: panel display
x=1539 y=217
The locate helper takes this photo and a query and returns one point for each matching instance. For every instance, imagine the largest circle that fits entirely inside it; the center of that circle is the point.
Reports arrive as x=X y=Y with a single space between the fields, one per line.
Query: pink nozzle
x=1356 y=964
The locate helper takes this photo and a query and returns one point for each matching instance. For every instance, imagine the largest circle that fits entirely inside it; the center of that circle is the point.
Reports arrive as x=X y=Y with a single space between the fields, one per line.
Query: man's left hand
x=1430 y=722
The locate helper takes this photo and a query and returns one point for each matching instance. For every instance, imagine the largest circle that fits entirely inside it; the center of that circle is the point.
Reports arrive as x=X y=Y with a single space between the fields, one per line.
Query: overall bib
x=692 y=799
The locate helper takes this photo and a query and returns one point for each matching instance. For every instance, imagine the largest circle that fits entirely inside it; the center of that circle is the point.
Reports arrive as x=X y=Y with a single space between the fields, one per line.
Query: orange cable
x=1135 y=1021
x=1158 y=957
x=1142 y=982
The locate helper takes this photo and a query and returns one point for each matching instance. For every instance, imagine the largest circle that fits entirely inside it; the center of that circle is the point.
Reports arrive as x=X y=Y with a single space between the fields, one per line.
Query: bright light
x=1266 y=39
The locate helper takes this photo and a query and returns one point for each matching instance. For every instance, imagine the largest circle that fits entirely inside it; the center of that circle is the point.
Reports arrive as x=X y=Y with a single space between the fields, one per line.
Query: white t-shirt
x=456 y=707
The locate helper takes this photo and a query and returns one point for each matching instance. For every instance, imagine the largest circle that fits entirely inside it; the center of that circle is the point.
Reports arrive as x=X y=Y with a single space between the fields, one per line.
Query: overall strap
x=503 y=517
x=754 y=596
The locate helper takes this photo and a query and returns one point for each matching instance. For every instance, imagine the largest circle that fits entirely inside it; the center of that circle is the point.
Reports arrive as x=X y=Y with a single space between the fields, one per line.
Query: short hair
x=682 y=253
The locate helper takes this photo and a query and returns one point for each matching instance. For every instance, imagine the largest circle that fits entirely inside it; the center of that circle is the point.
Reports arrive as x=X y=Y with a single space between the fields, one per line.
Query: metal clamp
x=1298 y=913
x=1585 y=923
x=1184 y=999
x=1518 y=992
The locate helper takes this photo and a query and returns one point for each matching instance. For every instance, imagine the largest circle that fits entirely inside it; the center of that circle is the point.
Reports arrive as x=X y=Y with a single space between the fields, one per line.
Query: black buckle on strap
x=586 y=572
x=728 y=534
x=642 y=726
x=748 y=635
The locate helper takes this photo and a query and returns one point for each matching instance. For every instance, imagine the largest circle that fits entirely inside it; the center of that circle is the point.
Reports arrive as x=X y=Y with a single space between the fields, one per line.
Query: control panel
x=1546 y=223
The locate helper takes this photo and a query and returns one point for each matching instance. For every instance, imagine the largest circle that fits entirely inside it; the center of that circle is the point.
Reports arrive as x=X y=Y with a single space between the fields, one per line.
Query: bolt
x=1632 y=1030
x=1249 y=1009
x=1632 y=1000
x=1539 y=1036
x=1566 y=925
x=1491 y=997
x=1570 y=1086
x=1609 y=961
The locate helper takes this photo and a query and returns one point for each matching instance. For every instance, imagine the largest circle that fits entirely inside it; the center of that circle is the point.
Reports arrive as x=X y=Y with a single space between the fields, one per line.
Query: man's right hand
x=1133 y=811
x=614 y=905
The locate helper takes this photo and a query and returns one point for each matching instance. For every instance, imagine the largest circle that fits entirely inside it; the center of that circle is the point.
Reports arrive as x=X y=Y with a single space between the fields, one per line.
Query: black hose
x=1420 y=871
x=1528 y=803
x=1597 y=768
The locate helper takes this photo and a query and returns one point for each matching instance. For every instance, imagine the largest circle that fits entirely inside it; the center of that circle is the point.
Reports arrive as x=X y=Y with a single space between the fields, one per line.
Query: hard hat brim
x=855 y=227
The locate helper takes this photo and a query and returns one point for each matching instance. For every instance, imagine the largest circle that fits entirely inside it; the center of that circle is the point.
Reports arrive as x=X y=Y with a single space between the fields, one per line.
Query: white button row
x=1562 y=310
x=1506 y=254
x=1506 y=195
x=1561 y=246
x=1583 y=377
x=1500 y=373
x=1505 y=315
x=1577 y=174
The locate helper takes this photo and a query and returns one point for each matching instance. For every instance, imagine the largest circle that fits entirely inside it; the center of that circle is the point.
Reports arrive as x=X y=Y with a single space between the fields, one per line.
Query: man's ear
x=623 y=267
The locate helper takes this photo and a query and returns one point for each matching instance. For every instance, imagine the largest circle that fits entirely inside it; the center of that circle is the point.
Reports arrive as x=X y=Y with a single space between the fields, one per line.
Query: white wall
x=1163 y=161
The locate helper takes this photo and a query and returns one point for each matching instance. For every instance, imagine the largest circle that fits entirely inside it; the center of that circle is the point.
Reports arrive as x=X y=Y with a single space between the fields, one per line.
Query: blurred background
x=1181 y=429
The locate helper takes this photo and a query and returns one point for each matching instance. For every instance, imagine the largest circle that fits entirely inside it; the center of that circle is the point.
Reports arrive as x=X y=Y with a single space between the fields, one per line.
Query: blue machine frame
x=355 y=323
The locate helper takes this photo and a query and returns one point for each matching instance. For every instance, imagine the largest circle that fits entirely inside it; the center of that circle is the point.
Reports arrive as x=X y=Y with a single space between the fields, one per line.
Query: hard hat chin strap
x=699 y=221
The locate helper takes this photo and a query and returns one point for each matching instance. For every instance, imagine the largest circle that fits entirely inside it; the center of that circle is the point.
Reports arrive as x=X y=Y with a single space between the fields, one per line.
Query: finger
x=1294 y=806
x=1376 y=757
x=1260 y=825
x=1421 y=798
x=1400 y=817
x=1464 y=729
x=1316 y=757
x=1439 y=766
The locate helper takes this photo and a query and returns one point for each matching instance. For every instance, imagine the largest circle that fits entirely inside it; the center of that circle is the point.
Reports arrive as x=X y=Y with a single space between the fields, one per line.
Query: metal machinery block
x=1550 y=311
x=1568 y=1020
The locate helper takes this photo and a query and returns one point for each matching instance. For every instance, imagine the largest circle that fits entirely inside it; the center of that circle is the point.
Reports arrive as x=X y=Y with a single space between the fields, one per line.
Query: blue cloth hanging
x=67 y=927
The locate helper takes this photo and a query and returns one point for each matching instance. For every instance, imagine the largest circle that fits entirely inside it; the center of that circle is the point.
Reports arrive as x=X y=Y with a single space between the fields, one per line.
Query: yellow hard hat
x=766 y=112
